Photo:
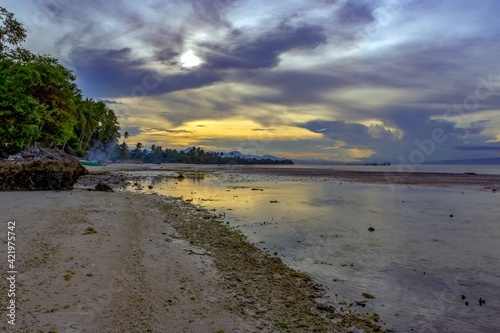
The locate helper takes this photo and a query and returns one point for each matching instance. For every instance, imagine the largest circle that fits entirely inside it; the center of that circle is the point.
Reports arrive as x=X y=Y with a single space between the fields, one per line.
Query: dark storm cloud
x=104 y=70
x=355 y=135
x=354 y=13
x=132 y=130
x=427 y=69
x=116 y=73
x=416 y=127
x=242 y=52
x=418 y=124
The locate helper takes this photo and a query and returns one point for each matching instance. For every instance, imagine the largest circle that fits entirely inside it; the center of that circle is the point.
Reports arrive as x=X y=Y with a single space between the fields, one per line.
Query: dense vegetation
x=156 y=154
x=41 y=105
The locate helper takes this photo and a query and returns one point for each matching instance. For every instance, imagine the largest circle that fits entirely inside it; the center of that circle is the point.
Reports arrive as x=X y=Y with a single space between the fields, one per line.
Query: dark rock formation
x=103 y=187
x=40 y=169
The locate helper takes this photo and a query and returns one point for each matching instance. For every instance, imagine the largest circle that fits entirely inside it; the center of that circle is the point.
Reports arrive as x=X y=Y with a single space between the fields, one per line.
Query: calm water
x=418 y=262
x=440 y=168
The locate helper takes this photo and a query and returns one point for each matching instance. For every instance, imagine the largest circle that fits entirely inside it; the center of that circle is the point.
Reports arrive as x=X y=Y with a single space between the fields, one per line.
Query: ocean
x=434 y=252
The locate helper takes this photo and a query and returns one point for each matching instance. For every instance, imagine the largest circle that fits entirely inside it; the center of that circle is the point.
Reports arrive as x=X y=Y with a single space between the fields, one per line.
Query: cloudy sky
x=374 y=80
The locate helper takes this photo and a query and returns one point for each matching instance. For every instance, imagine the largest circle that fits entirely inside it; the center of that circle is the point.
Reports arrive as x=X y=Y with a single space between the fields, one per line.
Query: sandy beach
x=108 y=262
x=91 y=261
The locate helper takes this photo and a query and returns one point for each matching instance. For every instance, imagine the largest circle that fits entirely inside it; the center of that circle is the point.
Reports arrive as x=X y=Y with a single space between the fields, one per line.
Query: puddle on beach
x=431 y=246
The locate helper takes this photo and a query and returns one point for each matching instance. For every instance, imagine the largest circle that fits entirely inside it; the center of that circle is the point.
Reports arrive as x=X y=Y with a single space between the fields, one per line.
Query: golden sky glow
x=202 y=132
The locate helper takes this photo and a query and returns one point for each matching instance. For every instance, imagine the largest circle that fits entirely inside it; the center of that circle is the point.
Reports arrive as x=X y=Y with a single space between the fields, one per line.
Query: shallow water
x=480 y=169
x=417 y=263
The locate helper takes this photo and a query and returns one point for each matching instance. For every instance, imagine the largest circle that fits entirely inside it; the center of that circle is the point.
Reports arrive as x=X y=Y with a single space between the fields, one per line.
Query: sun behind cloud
x=190 y=59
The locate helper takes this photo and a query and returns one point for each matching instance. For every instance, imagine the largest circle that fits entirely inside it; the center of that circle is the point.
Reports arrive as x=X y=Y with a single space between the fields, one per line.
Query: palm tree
x=137 y=149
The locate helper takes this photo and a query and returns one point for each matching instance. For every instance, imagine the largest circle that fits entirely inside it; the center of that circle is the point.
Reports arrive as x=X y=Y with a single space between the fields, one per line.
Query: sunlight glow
x=190 y=59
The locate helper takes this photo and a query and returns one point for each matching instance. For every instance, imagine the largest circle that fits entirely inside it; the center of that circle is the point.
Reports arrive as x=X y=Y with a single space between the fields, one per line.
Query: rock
x=40 y=169
x=323 y=306
x=371 y=229
x=103 y=187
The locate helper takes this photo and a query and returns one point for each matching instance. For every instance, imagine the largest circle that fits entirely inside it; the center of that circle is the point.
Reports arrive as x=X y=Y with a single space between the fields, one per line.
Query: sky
x=381 y=80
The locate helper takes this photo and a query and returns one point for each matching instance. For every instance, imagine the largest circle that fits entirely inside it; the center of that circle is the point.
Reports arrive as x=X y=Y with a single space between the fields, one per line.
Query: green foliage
x=40 y=104
x=97 y=125
x=11 y=31
x=20 y=113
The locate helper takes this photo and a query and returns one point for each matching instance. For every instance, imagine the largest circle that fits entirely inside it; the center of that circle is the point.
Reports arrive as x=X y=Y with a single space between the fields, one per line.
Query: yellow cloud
x=200 y=132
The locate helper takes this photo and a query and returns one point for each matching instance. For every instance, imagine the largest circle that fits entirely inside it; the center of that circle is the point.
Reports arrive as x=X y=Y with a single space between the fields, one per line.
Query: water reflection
x=433 y=252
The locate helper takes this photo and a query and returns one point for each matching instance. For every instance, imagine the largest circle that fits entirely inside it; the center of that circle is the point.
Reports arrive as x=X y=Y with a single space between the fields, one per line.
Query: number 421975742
x=11 y=239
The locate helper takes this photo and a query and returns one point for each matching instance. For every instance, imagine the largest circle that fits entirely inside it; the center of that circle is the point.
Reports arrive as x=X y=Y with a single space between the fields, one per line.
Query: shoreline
x=487 y=181
x=75 y=274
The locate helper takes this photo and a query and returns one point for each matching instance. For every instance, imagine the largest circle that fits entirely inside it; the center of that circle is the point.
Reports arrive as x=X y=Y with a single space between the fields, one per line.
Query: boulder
x=40 y=169
x=103 y=188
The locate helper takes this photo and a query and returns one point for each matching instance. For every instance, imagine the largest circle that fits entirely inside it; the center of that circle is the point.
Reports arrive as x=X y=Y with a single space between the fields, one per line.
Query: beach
x=91 y=261
x=108 y=262
x=128 y=261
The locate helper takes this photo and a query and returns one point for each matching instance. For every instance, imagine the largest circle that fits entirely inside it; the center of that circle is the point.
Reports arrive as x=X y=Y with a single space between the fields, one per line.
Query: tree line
x=40 y=103
x=156 y=154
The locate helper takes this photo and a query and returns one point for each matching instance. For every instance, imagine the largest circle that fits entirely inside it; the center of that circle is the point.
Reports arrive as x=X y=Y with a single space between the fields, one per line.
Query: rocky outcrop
x=40 y=169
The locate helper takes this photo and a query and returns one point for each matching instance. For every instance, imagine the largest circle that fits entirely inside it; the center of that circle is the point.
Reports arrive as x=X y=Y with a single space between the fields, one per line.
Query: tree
x=12 y=33
x=98 y=125
x=123 y=151
x=40 y=103
x=138 y=147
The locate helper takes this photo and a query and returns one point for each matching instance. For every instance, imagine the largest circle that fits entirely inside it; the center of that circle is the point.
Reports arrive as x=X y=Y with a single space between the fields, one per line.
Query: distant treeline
x=40 y=105
x=156 y=154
